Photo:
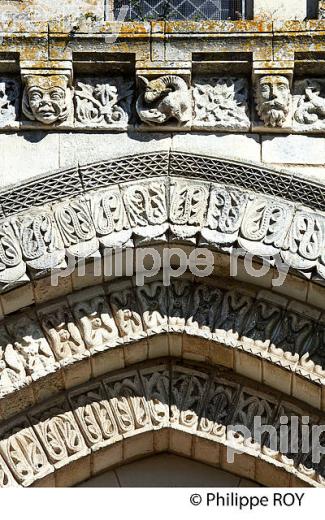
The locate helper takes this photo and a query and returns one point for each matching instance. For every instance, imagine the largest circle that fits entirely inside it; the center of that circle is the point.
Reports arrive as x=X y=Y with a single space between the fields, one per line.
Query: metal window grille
x=181 y=9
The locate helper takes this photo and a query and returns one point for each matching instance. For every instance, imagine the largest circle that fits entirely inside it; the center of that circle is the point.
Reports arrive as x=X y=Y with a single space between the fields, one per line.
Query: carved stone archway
x=155 y=407
x=148 y=198
x=56 y=338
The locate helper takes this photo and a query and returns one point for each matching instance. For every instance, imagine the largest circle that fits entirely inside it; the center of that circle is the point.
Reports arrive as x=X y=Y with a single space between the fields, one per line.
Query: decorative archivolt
x=60 y=440
x=47 y=340
x=209 y=214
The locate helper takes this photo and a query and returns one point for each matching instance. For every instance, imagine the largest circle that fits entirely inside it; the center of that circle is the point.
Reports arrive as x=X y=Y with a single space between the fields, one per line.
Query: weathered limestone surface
x=293 y=149
x=161 y=134
x=18 y=153
x=280 y=9
x=192 y=406
x=294 y=153
x=160 y=196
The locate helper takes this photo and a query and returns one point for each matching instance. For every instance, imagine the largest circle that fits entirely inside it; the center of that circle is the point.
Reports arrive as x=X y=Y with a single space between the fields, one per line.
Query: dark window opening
x=182 y=9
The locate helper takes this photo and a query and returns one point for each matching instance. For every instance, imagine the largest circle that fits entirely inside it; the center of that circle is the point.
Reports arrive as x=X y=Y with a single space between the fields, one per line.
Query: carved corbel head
x=273 y=99
x=47 y=99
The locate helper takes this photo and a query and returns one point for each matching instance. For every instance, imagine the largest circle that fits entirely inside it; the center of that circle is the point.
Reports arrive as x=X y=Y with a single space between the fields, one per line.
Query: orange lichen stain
x=214 y=26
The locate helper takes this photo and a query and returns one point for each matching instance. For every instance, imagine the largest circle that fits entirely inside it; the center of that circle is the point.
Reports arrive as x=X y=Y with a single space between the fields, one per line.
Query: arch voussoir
x=160 y=406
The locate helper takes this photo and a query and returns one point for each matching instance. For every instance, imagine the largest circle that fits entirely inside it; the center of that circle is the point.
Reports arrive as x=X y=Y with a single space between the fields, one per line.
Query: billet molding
x=164 y=406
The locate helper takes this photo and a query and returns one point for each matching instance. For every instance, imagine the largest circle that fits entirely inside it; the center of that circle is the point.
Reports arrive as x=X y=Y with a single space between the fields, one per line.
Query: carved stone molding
x=167 y=208
x=164 y=100
x=47 y=99
x=43 y=341
x=169 y=397
x=273 y=99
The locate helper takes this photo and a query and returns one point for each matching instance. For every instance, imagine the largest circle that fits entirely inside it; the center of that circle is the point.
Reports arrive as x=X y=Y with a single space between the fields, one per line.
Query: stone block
x=77 y=471
x=175 y=344
x=44 y=290
x=107 y=457
x=248 y=365
x=180 y=442
x=206 y=451
x=136 y=352
x=300 y=480
x=311 y=173
x=276 y=377
x=293 y=149
x=272 y=473
x=48 y=386
x=221 y=355
x=195 y=348
x=19 y=152
x=254 y=273
x=243 y=465
x=12 y=404
x=86 y=148
x=293 y=287
x=316 y=295
x=107 y=361
x=307 y=391
x=138 y=445
x=17 y=299
x=235 y=146
x=119 y=263
x=158 y=346
x=90 y=276
x=45 y=482
x=161 y=439
x=76 y=373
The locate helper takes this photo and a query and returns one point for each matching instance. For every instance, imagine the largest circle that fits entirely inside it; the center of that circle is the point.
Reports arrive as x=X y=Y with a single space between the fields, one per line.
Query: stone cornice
x=210 y=27
x=215 y=59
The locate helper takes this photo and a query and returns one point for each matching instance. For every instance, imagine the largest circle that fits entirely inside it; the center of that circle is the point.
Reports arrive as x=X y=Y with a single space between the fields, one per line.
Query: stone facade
x=160 y=134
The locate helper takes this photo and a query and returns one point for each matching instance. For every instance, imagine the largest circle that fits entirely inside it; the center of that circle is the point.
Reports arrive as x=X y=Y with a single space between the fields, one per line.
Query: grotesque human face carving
x=47 y=99
x=272 y=96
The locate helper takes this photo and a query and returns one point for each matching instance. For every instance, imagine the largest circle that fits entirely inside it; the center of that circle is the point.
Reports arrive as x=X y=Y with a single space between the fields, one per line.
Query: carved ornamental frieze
x=134 y=213
x=214 y=103
x=187 y=401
